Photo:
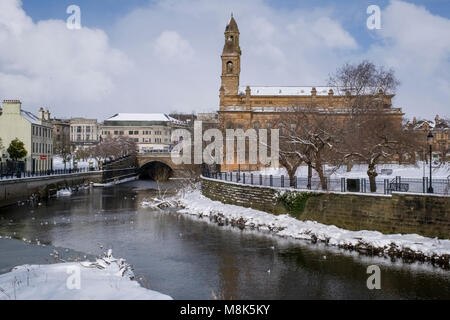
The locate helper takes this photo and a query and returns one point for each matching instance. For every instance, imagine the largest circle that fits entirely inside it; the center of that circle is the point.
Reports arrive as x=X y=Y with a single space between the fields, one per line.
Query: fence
x=30 y=174
x=361 y=185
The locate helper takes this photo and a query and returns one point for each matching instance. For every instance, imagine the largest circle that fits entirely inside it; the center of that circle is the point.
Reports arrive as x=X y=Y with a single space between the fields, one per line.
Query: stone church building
x=259 y=106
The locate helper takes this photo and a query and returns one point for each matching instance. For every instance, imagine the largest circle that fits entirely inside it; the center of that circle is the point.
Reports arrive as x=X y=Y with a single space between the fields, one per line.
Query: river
x=191 y=258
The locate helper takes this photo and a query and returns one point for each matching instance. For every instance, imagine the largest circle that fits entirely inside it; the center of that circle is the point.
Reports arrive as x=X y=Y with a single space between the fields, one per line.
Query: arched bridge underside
x=160 y=167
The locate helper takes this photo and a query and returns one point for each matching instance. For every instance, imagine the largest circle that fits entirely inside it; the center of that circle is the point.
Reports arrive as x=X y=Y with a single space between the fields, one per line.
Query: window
x=136 y=139
x=130 y=133
x=116 y=132
x=136 y=133
x=229 y=67
x=79 y=129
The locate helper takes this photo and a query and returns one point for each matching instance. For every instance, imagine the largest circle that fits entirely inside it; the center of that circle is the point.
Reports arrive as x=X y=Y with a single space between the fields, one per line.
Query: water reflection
x=190 y=258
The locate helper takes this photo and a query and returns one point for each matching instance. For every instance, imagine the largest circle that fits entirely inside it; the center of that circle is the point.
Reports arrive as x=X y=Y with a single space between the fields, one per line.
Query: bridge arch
x=157 y=170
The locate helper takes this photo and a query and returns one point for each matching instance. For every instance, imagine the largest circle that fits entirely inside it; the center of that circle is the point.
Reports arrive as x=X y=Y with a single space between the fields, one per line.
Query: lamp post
x=430 y=143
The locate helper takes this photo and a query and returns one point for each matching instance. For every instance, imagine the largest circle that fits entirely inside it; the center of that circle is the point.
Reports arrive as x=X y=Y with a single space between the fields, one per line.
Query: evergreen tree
x=16 y=150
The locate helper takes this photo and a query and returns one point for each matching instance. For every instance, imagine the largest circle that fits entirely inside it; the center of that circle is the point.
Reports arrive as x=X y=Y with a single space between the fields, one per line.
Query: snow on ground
x=360 y=171
x=113 y=183
x=58 y=163
x=413 y=245
x=106 y=279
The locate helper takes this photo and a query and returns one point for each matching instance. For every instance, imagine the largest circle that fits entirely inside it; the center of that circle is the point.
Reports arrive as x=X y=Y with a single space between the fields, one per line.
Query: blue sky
x=164 y=55
x=103 y=13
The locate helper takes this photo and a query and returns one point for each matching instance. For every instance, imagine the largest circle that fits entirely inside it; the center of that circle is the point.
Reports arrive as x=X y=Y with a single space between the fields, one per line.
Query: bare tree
x=64 y=149
x=309 y=134
x=373 y=129
x=113 y=148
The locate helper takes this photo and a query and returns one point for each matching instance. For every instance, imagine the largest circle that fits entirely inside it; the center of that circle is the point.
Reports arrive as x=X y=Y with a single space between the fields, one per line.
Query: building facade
x=440 y=128
x=262 y=106
x=61 y=136
x=84 y=132
x=150 y=131
x=34 y=131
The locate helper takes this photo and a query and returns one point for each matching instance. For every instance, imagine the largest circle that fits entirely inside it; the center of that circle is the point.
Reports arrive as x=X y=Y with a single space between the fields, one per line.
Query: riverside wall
x=424 y=214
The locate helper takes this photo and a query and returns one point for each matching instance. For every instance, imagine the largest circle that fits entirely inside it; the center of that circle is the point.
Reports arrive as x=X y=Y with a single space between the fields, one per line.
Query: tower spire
x=231 y=59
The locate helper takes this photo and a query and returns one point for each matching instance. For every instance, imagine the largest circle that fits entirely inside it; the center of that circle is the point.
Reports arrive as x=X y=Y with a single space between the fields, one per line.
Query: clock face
x=230 y=39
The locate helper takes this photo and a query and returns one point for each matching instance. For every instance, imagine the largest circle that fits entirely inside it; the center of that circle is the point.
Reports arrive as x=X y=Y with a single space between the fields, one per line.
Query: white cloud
x=166 y=56
x=272 y=55
x=416 y=44
x=171 y=47
x=44 y=63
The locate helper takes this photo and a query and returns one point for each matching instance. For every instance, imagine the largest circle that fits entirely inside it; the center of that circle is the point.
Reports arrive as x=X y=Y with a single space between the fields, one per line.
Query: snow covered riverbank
x=113 y=183
x=106 y=278
x=408 y=246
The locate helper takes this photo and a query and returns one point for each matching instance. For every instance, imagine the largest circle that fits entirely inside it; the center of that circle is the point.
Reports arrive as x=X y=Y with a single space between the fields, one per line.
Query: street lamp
x=430 y=143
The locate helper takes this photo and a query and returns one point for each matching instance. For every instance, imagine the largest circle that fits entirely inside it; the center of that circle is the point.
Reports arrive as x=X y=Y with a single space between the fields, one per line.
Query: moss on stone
x=295 y=202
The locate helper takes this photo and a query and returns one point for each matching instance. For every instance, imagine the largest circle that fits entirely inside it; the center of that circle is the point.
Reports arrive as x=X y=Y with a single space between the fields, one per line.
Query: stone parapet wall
x=427 y=215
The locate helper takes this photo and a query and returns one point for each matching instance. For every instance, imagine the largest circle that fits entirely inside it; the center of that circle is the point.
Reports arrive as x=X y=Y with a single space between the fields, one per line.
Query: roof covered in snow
x=141 y=117
x=437 y=124
x=30 y=117
x=298 y=91
x=285 y=91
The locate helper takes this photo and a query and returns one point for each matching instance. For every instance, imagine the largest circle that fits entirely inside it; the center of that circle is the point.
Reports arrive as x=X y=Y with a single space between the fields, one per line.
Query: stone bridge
x=159 y=166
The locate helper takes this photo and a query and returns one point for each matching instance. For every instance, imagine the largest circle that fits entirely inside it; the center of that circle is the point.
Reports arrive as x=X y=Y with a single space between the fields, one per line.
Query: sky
x=164 y=55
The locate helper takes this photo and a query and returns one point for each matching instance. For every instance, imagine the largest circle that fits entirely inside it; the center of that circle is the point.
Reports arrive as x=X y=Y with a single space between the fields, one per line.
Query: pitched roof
x=30 y=117
x=232 y=26
x=142 y=117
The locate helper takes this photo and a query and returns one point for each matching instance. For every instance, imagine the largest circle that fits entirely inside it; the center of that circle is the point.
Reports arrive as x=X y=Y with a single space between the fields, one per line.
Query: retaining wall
x=427 y=215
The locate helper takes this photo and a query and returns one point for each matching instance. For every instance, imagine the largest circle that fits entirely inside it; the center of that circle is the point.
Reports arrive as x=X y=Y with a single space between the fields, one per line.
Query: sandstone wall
x=427 y=215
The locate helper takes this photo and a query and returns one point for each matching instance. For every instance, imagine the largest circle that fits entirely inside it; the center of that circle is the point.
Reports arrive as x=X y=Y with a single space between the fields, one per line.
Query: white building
x=34 y=131
x=150 y=131
x=84 y=132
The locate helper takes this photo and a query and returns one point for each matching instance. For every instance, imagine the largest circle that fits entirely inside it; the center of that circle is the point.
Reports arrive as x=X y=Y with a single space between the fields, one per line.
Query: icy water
x=191 y=258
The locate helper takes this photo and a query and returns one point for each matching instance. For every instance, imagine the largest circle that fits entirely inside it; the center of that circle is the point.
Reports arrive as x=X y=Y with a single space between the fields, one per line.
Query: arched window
x=229 y=67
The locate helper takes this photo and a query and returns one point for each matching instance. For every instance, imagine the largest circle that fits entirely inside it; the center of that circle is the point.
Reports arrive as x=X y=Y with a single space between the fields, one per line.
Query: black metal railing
x=357 y=185
x=31 y=174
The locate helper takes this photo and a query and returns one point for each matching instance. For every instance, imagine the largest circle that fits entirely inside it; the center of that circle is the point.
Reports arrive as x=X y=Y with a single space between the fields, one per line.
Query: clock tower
x=231 y=60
